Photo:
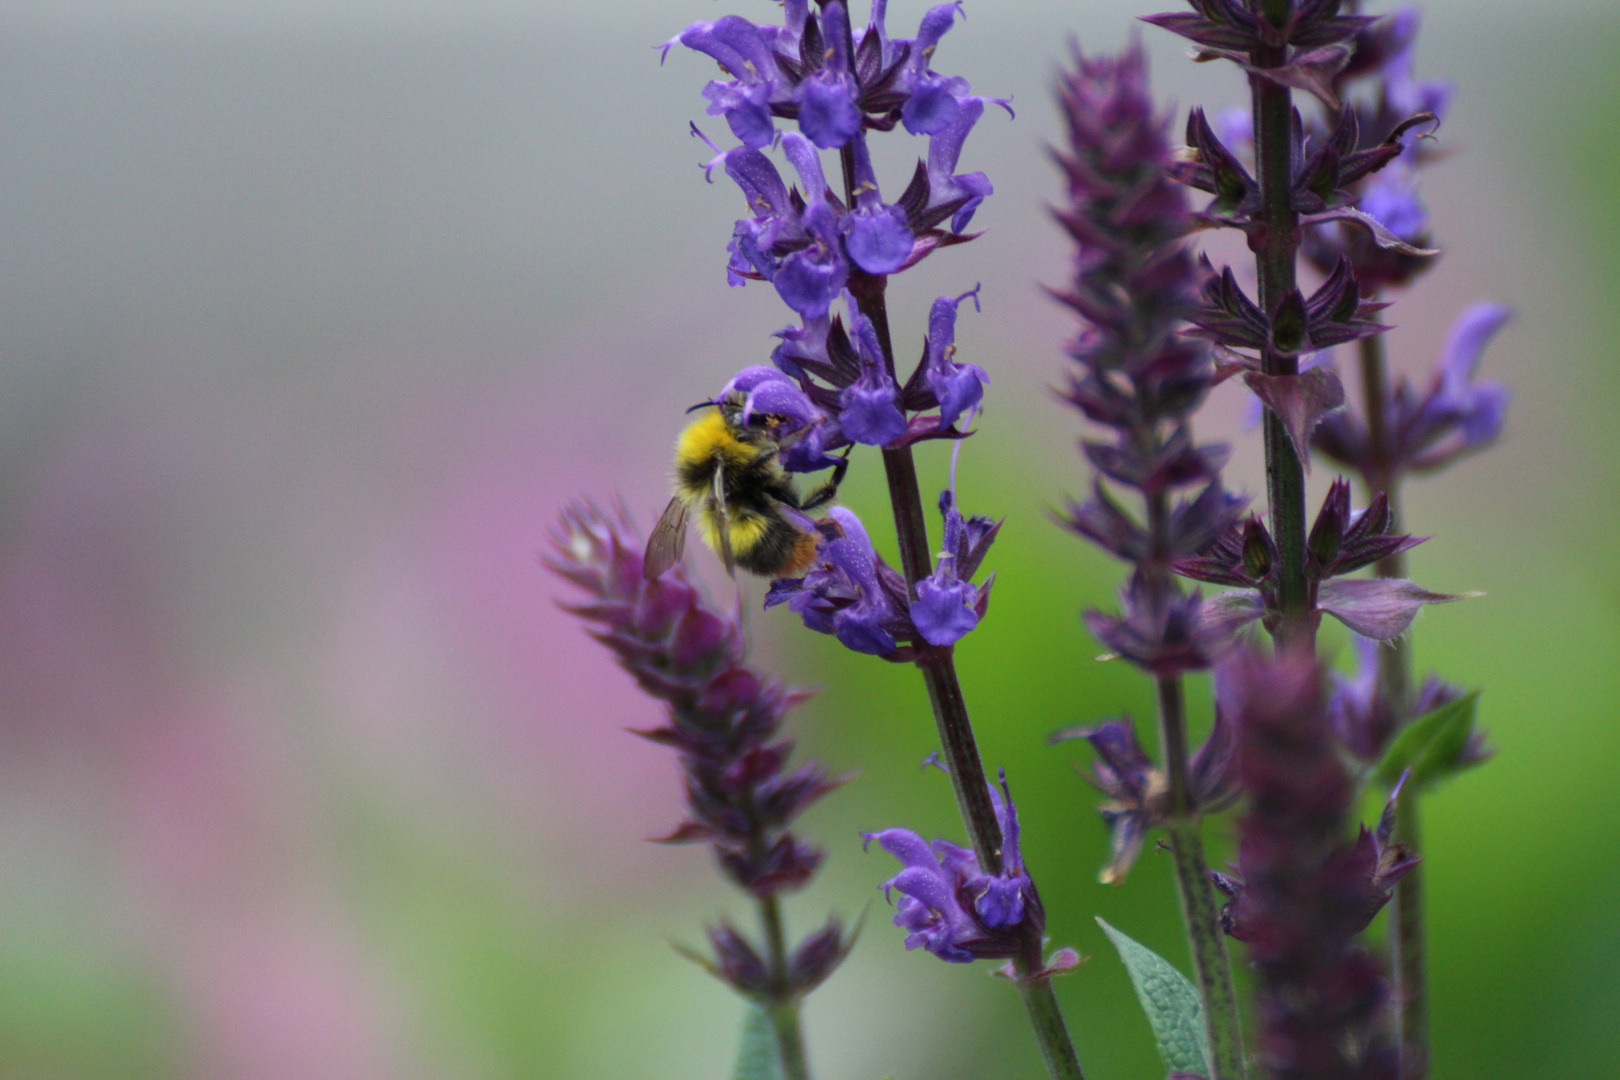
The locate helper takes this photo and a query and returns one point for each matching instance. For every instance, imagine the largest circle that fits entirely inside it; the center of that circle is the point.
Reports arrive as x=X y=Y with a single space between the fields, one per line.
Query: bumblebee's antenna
x=702 y=405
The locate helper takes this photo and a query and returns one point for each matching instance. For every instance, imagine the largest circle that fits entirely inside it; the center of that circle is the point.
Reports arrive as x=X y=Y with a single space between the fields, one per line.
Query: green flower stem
x=783 y=1008
x=1275 y=243
x=1200 y=911
x=1051 y=1033
x=1199 y=908
x=1408 y=952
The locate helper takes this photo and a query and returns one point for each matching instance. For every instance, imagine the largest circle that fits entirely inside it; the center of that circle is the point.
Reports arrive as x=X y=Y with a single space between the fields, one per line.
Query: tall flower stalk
x=1135 y=284
x=1398 y=431
x=1340 y=190
x=820 y=248
x=723 y=719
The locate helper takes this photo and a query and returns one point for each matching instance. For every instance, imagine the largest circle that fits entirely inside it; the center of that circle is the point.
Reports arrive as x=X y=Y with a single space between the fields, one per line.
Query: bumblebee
x=728 y=476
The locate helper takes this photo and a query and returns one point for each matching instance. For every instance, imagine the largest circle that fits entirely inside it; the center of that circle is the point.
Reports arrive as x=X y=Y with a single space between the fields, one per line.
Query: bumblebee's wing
x=667 y=543
x=722 y=519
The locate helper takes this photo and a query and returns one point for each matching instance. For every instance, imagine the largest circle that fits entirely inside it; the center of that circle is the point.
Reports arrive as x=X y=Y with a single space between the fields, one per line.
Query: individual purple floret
x=1453 y=417
x=956 y=388
x=1137 y=789
x=1303 y=890
x=950 y=907
x=857 y=597
x=722 y=717
x=948 y=604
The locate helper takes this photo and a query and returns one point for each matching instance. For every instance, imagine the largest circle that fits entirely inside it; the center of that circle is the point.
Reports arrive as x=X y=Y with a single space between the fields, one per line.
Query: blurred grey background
x=311 y=317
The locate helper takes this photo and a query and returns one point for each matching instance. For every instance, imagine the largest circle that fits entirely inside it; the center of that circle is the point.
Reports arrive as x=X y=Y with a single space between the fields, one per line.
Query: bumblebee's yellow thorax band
x=709 y=437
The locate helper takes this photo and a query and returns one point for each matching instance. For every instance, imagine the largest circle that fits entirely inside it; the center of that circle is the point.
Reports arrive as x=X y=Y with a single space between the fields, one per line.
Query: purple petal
x=1469 y=335
x=860 y=632
x=945 y=148
x=1392 y=198
x=853 y=529
x=736 y=44
x=1379 y=608
x=1002 y=902
x=808 y=342
x=905 y=845
x=781 y=398
x=927 y=886
x=959 y=862
x=752 y=377
x=746 y=109
x=879 y=241
x=807 y=162
x=828 y=114
x=809 y=280
x=931 y=108
x=869 y=415
x=1484 y=414
x=935 y=21
x=761 y=184
x=943 y=612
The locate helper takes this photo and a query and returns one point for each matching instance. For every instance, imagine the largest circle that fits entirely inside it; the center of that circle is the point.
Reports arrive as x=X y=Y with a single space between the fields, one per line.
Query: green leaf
x=756 y=1052
x=1171 y=1002
x=1431 y=745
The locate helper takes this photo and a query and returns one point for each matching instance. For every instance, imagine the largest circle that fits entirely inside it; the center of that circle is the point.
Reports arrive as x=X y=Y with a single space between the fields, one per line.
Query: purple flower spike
x=950 y=907
x=958 y=387
x=722 y=716
x=1304 y=892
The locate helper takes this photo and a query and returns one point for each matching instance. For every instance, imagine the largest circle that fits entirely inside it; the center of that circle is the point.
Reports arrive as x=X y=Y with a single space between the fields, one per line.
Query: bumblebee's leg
x=827 y=492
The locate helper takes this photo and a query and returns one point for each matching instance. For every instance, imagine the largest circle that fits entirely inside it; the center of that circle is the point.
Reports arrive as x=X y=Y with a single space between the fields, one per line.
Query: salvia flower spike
x=723 y=719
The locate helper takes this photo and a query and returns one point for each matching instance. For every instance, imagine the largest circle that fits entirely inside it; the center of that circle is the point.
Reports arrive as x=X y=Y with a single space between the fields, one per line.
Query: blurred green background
x=313 y=314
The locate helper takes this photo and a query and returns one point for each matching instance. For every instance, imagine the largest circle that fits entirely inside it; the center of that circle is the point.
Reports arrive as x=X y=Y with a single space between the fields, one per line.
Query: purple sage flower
x=950 y=907
x=957 y=388
x=1455 y=416
x=857 y=597
x=1138 y=791
x=948 y=605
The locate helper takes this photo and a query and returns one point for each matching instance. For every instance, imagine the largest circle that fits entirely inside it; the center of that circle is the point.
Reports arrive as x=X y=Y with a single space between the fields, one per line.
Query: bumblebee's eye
x=761 y=420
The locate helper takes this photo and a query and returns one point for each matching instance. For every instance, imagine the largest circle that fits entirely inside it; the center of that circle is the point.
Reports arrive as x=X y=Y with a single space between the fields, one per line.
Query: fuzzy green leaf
x=1171 y=1003
x=756 y=1052
x=1431 y=745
